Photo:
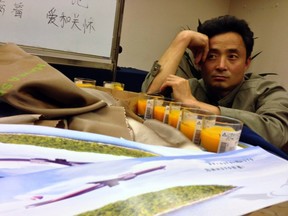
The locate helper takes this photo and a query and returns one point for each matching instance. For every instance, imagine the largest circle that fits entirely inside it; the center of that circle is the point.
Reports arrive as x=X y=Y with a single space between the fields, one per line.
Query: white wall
x=150 y=25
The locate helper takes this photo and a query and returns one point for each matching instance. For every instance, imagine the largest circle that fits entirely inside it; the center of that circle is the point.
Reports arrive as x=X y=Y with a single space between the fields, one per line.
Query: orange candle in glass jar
x=85 y=85
x=141 y=106
x=114 y=85
x=174 y=117
x=188 y=128
x=159 y=112
x=85 y=82
x=210 y=137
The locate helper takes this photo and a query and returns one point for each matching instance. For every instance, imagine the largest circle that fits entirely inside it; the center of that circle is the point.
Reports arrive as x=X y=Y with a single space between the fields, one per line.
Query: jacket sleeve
x=263 y=107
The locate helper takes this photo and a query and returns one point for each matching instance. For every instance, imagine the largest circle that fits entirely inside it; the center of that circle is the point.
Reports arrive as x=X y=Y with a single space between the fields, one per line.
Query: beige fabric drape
x=48 y=98
x=30 y=84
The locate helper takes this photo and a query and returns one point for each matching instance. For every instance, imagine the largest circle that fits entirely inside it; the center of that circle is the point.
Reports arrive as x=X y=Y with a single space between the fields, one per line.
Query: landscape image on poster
x=72 y=144
x=160 y=202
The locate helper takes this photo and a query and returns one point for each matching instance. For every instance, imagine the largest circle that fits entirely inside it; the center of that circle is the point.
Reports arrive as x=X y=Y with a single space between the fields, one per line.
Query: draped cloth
x=33 y=92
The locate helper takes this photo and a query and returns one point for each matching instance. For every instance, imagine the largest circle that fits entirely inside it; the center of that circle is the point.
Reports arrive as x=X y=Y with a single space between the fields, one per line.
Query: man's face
x=226 y=63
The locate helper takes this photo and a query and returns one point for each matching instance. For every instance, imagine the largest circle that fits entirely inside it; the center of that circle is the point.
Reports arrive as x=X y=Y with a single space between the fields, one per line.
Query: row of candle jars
x=211 y=132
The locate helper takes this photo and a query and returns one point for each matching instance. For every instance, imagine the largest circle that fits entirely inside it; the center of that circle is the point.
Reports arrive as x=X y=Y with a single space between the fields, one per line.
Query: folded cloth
x=108 y=119
x=172 y=136
x=41 y=95
x=28 y=119
x=32 y=86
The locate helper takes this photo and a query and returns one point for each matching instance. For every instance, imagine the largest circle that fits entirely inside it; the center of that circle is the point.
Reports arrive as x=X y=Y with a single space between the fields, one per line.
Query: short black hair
x=228 y=23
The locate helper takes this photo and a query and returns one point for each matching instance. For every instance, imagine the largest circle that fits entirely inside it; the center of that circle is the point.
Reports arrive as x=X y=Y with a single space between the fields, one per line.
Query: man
x=222 y=49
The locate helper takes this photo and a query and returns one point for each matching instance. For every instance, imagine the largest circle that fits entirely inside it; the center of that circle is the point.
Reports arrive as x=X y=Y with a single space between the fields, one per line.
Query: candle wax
x=210 y=137
x=187 y=128
x=159 y=112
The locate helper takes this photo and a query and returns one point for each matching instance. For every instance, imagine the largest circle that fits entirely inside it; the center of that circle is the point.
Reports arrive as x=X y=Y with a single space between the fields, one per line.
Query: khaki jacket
x=261 y=104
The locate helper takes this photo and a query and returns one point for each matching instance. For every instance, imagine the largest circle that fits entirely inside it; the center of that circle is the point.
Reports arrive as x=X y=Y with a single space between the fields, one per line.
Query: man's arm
x=272 y=128
x=263 y=106
x=182 y=93
x=268 y=116
x=186 y=69
x=196 y=42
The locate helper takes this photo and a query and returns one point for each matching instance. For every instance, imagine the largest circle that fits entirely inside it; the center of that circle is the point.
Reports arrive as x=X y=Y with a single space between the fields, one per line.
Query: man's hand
x=198 y=44
x=182 y=93
x=180 y=86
